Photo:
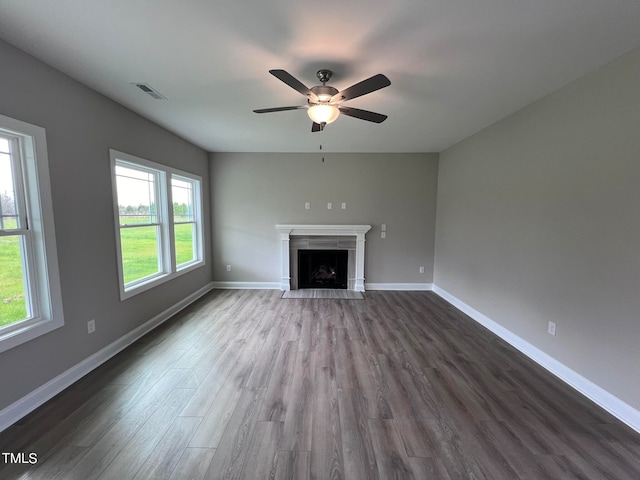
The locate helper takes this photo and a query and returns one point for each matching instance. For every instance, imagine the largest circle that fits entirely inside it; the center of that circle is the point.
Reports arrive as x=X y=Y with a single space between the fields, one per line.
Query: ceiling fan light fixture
x=323 y=113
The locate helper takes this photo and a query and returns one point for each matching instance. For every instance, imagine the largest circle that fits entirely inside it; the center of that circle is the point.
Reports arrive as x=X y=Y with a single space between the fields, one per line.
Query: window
x=185 y=225
x=30 y=298
x=140 y=227
x=159 y=222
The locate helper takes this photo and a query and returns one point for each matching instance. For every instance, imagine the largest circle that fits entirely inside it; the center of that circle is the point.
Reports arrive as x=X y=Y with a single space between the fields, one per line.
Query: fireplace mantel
x=358 y=231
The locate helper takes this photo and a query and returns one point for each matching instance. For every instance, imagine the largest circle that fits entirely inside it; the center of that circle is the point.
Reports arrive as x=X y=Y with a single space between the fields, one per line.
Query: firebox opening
x=322 y=268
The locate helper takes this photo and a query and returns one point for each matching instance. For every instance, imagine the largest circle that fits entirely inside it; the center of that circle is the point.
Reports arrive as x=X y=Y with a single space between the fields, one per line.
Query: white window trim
x=44 y=275
x=165 y=213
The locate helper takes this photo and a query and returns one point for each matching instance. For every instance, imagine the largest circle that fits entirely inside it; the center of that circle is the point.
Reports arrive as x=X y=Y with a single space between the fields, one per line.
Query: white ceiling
x=455 y=66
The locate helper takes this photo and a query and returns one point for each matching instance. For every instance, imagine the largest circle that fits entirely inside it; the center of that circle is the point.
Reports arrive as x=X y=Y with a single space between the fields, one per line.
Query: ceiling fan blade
x=278 y=109
x=362 y=88
x=316 y=127
x=363 y=114
x=292 y=82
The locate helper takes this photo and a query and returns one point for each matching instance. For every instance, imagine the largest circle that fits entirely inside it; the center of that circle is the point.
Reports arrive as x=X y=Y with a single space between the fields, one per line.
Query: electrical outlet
x=228 y=268
x=91 y=326
x=383 y=234
x=329 y=206
x=551 y=328
x=307 y=206
x=421 y=269
x=344 y=205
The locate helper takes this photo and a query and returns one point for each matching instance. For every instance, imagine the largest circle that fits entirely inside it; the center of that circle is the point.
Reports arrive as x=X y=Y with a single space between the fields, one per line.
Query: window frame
x=36 y=229
x=168 y=269
x=196 y=197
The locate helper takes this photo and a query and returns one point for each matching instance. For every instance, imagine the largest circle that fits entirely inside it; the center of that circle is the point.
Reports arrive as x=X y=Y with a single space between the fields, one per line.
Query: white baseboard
x=247 y=285
x=612 y=404
x=278 y=286
x=14 y=412
x=399 y=286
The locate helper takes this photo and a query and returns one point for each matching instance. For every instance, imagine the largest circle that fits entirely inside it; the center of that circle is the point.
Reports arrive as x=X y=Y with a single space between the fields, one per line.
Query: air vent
x=150 y=91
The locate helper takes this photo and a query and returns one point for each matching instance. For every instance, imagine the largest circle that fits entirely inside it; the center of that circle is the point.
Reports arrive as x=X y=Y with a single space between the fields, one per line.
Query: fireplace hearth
x=322 y=268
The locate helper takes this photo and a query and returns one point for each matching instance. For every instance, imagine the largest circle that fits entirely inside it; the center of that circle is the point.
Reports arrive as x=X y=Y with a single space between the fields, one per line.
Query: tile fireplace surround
x=358 y=231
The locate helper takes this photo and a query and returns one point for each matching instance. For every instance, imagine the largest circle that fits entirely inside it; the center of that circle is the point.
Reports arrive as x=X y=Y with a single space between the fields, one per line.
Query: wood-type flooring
x=246 y=385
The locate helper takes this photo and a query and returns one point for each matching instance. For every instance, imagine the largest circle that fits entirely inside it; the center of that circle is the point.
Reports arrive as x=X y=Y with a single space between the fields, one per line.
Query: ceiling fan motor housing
x=323 y=92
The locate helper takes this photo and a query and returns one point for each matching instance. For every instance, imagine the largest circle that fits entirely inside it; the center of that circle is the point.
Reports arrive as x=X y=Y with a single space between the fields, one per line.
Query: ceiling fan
x=324 y=103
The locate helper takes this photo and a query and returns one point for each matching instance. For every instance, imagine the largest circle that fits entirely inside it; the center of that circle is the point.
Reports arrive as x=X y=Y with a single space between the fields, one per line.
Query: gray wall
x=252 y=192
x=538 y=219
x=81 y=125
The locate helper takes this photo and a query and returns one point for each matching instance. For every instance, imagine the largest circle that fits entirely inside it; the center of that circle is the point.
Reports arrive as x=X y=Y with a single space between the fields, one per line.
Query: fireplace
x=322 y=268
x=327 y=237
